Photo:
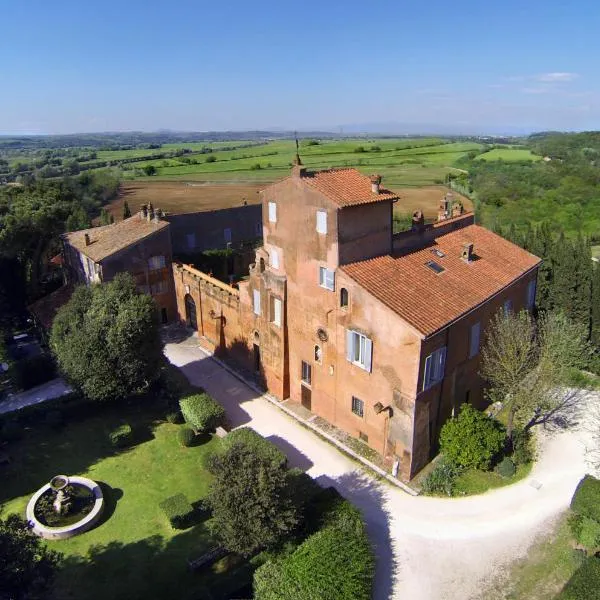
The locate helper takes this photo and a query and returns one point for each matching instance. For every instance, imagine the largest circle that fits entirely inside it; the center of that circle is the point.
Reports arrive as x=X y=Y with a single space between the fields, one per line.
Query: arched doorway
x=190 y=312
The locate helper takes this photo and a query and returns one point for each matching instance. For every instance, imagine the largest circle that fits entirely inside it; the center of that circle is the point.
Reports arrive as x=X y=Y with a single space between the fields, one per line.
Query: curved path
x=427 y=548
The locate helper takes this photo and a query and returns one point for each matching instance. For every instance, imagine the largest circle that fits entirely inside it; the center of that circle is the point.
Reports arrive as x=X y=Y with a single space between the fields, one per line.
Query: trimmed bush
x=506 y=468
x=202 y=412
x=586 y=499
x=523 y=452
x=585 y=582
x=121 y=436
x=472 y=439
x=257 y=443
x=33 y=371
x=336 y=562
x=442 y=479
x=179 y=511
x=586 y=531
x=174 y=417
x=185 y=437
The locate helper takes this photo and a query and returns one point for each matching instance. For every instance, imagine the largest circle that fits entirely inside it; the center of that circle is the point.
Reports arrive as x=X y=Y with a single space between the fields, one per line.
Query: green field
x=509 y=155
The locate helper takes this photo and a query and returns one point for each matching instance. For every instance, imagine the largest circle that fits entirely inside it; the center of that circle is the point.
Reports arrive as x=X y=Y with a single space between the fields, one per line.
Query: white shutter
x=329 y=279
x=349 y=345
x=277 y=311
x=427 y=372
x=272 y=212
x=274 y=259
x=321 y=221
x=256 y=297
x=368 y=354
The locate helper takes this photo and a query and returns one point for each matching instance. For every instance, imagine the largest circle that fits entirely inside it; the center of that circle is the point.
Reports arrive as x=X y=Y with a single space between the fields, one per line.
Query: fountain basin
x=81 y=526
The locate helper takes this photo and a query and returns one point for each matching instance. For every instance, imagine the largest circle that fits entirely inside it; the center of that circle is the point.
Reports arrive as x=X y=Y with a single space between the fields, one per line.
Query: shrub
x=586 y=531
x=585 y=582
x=522 y=447
x=442 y=478
x=257 y=443
x=586 y=499
x=185 y=437
x=506 y=468
x=121 y=436
x=33 y=371
x=336 y=562
x=179 y=511
x=202 y=412
x=472 y=439
x=211 y=159
x=174 y=417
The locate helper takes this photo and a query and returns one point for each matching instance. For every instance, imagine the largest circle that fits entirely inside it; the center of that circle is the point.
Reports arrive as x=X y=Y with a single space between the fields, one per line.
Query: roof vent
x=467 y=252
x=375 y=182
x=87 y=239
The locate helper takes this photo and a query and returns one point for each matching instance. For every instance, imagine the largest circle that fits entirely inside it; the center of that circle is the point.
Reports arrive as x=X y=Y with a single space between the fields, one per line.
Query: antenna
x=297 y=160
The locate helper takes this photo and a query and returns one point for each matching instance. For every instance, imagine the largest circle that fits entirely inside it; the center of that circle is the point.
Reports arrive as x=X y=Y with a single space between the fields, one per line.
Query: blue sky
x=466 y=65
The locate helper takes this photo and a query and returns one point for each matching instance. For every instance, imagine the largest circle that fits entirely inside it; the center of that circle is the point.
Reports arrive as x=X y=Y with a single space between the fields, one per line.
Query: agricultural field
x=509 y=154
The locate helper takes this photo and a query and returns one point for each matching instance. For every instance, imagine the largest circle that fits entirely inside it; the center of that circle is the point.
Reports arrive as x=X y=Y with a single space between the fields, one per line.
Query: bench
x=208 y=558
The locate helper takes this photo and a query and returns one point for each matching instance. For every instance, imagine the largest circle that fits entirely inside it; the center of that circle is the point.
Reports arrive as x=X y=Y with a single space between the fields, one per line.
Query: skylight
x=434 y=266
x=438 y=253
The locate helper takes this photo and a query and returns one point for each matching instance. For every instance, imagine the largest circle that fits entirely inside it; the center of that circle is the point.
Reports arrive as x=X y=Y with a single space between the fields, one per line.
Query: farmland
x=509 y=154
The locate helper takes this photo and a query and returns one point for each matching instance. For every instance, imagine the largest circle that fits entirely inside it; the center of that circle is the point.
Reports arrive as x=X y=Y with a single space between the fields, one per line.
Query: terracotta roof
x=45 y=308
x=346 y=187
x=429 y=300
x=109 y=239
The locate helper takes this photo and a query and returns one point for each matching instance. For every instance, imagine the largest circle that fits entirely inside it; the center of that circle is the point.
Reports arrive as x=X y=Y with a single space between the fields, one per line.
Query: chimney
x=87 y=239
x=144 y=212
x=467 y=252
x=418 y=221
x=150 y=212
x=375 y=181
x=158 y=214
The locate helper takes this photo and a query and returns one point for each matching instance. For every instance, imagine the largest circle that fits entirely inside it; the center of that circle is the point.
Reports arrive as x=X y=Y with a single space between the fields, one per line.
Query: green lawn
x=134 y=553
x=473 y=481
x=542 y=573
x=509 y=155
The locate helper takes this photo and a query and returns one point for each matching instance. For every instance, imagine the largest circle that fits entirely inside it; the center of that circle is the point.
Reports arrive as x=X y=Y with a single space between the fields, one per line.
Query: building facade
x=377 y=333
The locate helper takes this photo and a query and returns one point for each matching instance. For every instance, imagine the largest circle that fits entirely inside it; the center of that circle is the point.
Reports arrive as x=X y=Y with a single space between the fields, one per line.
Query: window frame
x=359 y=405
x=347 y=304
x=531 y=293
x=321 y=224
x=359 y=350
x=274 y=258
x=277 y=312
x=256 y=308
x=324 y=275
x=475 y=327
x=227 y=235
x=306 y=367
x=272 y=210
x=434 y=368
x=152 y=261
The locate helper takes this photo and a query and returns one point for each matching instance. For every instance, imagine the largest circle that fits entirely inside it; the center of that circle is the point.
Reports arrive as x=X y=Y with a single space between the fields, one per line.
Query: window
x=474 y=340
x=435 y=364
x=358 y=406
x=530 y=294
x=326 y=278
x=256 y=298
x=159 y=287
x=156 y=262
x=321 y=221
x=318 y=354
x=274 y=258
x=434 y=266
x=191 y=240
x=508 y=306
x=276 y=314
x=306 y=373
x=359 y=349
x=272 y=212
x=344 y=298
x=227 y=234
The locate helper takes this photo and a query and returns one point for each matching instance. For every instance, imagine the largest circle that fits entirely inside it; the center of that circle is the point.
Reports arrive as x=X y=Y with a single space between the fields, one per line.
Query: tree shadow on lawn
x=152 y=568
x=367 y=494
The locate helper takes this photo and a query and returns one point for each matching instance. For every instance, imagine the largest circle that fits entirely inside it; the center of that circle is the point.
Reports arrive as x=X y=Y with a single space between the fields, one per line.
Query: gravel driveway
x=427 y=548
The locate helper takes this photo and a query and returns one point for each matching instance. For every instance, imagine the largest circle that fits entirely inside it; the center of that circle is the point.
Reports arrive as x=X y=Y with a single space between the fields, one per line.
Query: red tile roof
x=346 y=187
x=428 y=300
x=110 y=239
x=45 y=308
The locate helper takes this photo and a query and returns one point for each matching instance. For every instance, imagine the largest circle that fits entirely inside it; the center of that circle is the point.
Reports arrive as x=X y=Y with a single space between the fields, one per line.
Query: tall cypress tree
x=126 y=210
x=564 y=280
x=582 y=280
x=543 y=245
x=595 y=329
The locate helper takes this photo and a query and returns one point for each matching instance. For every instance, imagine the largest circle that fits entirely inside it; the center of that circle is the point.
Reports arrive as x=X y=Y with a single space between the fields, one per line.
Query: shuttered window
x=272 y=212
x=359 y=349
x=256 y=298
x=531 y=294
x=435 y=365
x=321 y=221
x=277 y=311
x=326 y=278
x=474 y=340
x=274 y=259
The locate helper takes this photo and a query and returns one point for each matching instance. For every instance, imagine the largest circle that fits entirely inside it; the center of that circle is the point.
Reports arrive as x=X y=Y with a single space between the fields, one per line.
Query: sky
x=193 y=65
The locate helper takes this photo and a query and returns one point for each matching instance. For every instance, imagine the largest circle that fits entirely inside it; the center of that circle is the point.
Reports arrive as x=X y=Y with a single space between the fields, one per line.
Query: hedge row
x=179 y=511
x=586 y=499
x=585 y=582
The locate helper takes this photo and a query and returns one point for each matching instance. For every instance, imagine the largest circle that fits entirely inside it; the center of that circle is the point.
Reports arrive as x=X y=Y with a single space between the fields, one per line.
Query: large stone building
x=377 y=333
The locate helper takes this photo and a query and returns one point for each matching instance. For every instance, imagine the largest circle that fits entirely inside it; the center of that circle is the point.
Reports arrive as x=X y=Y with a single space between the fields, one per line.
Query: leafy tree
x=106 y=339
x=250 y=498
x=472 y=439
x=27 y=566
x=149 y=170
x=126 y=210
x=526 y=366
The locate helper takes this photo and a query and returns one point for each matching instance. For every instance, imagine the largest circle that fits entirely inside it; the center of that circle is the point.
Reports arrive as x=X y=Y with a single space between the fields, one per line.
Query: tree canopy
x=106 y=339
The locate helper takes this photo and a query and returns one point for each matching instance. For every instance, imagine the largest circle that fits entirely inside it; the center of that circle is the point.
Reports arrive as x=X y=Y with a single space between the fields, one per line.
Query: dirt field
x=181 y=197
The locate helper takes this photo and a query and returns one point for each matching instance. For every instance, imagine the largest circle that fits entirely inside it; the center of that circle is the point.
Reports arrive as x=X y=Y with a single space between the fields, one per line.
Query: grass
x=134 y=552
x=473 y=481
x=510 y=154
x=542 y=573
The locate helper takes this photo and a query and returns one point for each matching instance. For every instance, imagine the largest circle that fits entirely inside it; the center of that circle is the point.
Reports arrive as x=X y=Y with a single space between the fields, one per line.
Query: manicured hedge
x=257 y=443
x=121 y=436
x=179 y=511
x=586 y=499
x=201 y=412
x=185 y=437
x=585 y=582
x=336 y=563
